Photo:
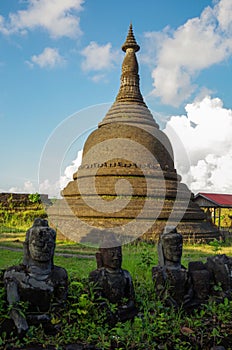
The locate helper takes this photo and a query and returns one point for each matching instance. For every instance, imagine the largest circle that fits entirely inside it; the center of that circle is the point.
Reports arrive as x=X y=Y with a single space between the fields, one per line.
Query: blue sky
x=60 y=57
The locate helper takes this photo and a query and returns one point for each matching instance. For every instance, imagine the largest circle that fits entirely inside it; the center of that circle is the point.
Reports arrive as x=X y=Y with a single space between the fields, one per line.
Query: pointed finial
x=130 y=41
x=129 y=106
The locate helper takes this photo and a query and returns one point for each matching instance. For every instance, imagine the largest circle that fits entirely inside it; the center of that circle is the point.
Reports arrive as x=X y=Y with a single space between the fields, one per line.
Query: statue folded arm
x=13 y=298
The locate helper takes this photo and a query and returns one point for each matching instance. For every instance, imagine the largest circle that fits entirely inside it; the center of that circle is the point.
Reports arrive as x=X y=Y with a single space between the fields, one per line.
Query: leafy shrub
x=34 y=197
x=21 y=220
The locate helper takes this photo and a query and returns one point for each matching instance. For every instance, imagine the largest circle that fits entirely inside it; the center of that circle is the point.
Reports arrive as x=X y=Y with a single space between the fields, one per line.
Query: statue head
x=170 y=246
x=110 y=252
x=39 y=245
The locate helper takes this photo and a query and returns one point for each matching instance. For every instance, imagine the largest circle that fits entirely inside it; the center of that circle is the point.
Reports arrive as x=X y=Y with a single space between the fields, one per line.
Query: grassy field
x=80 y=259
x=156 y=327
x=132 y=253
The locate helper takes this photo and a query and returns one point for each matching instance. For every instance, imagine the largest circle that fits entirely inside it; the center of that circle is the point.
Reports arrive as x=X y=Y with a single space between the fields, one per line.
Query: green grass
x=9 y=229
x=157 y=327
x=80 y=268
x=9 y=258
x=135 y=257
x=133 y=254
x=158 y=324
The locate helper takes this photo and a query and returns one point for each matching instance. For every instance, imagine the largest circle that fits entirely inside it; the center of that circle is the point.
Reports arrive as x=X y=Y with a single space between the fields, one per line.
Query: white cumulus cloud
x=205 y=132
x=70 y=170
x=98 y=58
x=52 y=189
x=27 y=187
x=49 y=58
x=58 y=17
x=179 y=55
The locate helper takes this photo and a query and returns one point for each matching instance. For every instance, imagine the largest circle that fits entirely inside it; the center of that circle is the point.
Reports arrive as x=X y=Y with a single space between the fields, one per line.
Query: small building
x=213 y=203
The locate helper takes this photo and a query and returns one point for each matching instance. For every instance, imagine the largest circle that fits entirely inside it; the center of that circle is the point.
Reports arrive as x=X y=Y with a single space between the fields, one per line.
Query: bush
x=21 y=220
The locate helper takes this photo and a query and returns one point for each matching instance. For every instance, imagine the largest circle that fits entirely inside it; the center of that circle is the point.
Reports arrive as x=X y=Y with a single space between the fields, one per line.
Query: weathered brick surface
x=19 y=201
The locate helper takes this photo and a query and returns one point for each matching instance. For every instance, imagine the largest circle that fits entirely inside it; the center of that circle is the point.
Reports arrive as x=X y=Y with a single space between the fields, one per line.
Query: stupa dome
x=130 y=118
x=155 y=141
x=127 y=181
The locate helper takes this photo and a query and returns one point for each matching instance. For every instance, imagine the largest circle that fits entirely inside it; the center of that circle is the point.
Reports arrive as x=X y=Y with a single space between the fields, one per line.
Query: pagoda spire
x=129 y=106
x=129 y=89
x=130 y=41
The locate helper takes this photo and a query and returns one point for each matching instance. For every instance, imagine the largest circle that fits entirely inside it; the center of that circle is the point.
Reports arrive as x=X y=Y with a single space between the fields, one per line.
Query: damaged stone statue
x=37 y=280
x=201 y=282
x=190 y=287
x=112 y=282
x=220 y=269
x=171 y=279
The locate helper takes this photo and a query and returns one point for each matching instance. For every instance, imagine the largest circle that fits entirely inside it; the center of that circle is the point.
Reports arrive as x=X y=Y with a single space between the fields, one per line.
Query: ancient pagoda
x=127 y=181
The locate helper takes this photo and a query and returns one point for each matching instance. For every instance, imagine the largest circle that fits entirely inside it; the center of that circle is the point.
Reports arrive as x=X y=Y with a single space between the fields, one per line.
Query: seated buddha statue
x=113 y=282
x=170 y=276
x=37 y=281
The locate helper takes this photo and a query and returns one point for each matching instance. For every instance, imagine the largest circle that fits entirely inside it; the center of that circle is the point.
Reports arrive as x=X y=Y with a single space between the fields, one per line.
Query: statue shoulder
x=127 y=274
x=59 y=273
x=14 y=270
x=97 y=274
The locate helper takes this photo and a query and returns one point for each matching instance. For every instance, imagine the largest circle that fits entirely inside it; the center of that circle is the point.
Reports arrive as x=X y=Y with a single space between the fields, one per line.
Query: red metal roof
x=217 y=198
